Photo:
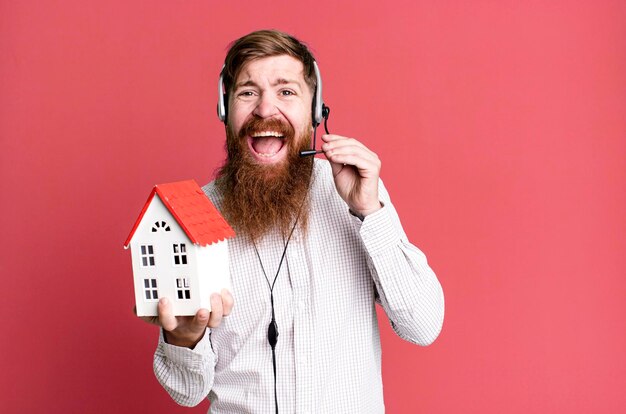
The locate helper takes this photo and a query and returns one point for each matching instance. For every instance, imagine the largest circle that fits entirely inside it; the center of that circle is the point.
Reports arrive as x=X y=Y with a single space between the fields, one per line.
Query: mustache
x=257 y=124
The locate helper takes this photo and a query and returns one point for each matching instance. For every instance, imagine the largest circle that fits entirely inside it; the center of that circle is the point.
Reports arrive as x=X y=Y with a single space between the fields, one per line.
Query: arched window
x=160 y=225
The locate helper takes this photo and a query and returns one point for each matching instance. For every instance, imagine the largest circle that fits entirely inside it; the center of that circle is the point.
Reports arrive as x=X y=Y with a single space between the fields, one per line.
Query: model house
x=179 y=249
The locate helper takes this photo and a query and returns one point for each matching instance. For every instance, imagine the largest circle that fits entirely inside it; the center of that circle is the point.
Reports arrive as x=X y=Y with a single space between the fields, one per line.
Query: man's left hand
x=356 y=170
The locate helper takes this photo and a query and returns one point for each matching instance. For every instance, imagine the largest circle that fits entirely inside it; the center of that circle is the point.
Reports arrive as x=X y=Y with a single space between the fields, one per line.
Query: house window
x=160 y=225
x=147 y=255
x=180 y=254
x=150 y=289
x=182 y=288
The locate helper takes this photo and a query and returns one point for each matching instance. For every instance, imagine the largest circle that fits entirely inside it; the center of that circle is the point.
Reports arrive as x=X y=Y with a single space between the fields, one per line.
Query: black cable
x=326 y=115
x=272 y=329
x=272 y=337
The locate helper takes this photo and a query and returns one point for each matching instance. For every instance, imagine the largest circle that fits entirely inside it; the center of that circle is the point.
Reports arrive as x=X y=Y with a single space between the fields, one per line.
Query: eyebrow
x=279 y=81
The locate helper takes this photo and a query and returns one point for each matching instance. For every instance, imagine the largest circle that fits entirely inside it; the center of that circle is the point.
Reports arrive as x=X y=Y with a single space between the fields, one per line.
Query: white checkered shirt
x=328 y=352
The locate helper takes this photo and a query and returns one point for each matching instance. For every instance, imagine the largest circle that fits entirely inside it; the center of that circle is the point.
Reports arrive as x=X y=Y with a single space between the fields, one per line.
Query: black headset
x=319 y=110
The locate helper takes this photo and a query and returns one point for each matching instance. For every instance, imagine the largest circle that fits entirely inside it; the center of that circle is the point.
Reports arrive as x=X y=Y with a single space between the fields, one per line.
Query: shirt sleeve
x=186 y=374
x=407 y=287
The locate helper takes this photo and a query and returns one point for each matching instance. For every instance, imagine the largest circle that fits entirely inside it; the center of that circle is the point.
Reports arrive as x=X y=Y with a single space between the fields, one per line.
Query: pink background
x=502 y=130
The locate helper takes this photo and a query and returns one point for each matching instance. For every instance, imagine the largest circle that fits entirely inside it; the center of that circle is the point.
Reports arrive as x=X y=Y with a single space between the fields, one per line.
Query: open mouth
x=267 y=143
x=267 y=138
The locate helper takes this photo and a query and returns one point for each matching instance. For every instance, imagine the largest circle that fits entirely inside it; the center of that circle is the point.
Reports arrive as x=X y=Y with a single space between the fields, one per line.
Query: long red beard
x=259 y=197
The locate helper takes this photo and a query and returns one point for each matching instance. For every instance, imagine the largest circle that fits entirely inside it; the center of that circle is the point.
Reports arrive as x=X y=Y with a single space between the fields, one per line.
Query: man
x=318 y=244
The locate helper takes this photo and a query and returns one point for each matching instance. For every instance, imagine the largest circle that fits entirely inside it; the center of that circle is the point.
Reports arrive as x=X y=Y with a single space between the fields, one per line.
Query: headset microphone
x=313 y=151
x=320 y=111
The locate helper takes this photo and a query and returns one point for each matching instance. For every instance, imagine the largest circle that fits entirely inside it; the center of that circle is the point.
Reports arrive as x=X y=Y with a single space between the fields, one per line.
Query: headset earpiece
x=320 y=111
x=318 y=101
x=222 y=99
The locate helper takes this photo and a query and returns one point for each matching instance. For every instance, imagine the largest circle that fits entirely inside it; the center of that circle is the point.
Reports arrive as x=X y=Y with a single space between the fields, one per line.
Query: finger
x=227 y=302
x=349 y=149
x=367 y=167
x=338 y=149
x=335 y=141
x=166 y=315
x=329 y=141
x=331 y=137
x=216 y=311
x=336 y=168
x=335 y=138
x=200 y=321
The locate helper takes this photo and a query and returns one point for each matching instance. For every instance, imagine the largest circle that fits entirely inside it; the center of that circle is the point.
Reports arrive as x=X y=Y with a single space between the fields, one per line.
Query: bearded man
x=318 y=245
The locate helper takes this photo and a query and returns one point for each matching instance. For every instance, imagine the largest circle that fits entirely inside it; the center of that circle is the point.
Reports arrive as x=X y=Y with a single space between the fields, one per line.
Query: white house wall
x=164 y=270
x=213 y=269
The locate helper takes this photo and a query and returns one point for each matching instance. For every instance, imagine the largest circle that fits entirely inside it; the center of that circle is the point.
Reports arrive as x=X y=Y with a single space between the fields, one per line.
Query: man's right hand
x=187 y=331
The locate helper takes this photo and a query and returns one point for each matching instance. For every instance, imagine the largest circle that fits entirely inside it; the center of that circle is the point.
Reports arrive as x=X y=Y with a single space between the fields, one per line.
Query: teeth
x=267 y=134
x=266 y=155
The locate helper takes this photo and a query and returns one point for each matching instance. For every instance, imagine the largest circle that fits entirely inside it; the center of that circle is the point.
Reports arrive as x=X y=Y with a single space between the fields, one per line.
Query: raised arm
x=407 y=287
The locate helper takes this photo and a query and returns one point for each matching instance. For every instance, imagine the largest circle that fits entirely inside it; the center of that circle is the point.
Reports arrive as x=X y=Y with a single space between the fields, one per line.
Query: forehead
x=272 y=68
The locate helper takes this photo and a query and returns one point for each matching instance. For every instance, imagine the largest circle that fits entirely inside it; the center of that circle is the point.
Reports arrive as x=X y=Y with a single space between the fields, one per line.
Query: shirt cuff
x=378 y=231
x=185 y=356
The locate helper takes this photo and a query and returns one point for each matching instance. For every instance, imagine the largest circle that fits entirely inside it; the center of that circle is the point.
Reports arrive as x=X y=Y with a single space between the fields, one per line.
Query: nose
x=266 y=107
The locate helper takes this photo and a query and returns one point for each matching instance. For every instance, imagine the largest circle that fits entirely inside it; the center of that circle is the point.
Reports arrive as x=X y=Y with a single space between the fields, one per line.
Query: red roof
x=193 y=211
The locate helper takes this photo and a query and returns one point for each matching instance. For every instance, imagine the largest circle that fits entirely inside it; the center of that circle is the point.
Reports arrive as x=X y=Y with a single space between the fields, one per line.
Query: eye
x=287 y=92
x=245 y=93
